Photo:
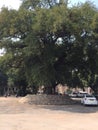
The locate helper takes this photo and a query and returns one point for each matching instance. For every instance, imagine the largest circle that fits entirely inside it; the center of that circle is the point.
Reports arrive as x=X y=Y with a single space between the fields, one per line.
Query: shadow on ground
x=72 y=108
x=12 y=106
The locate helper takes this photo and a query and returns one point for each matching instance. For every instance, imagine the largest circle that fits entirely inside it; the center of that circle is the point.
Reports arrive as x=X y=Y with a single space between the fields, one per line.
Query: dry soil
x=18 y=116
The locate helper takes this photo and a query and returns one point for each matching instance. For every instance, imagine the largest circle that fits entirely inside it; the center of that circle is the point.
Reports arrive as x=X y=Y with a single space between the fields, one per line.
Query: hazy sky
x=77 y=1
x=15 y=3
x=10 y=3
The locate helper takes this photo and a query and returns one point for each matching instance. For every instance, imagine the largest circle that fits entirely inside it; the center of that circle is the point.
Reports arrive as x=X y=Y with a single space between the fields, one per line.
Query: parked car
x=81 y=94
x=73 y=94
x=89 y=100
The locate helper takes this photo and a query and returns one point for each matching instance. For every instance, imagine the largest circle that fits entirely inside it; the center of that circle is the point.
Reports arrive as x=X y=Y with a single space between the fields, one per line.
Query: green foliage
x=46 y=43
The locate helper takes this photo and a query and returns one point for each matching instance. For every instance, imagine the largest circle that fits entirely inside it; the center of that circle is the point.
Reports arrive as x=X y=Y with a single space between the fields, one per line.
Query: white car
x=81 y=94
x=89 y=100
x=73 y=94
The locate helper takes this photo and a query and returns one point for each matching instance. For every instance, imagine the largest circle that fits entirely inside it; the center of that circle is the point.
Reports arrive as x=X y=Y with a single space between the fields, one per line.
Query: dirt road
x=17 y=116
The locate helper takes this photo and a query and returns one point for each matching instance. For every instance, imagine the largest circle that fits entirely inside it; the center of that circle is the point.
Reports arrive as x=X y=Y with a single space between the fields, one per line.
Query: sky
x=77 y=1
x=10 y=3
x=15 y=3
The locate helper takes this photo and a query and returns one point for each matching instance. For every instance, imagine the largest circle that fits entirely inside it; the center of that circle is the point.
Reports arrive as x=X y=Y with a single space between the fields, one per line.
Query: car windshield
x=89 y=96
x=74 y=92
x=83 y=92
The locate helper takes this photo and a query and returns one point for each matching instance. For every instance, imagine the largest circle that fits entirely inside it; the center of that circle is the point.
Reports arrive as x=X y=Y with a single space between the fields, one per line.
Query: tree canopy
x=47 y=42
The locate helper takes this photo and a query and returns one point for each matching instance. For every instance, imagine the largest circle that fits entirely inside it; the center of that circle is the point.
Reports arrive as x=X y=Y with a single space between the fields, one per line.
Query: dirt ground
x=17 y=116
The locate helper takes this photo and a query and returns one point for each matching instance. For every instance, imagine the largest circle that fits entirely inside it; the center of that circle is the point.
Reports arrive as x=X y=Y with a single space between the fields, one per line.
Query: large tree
x=46 y=43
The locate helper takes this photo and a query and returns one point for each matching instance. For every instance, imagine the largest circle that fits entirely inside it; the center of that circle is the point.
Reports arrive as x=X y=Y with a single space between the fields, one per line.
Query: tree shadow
x=7 y=106
x=72 y=108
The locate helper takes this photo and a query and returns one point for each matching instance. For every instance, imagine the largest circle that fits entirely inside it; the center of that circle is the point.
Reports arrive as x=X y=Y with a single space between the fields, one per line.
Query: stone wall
x=47 y=100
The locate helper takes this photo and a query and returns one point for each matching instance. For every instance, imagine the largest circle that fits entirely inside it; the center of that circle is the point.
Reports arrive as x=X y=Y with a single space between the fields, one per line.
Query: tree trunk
x=48 y=90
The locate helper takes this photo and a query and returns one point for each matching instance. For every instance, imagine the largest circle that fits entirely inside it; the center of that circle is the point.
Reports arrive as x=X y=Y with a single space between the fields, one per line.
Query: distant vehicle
x=73 y=94
x=89 y=100
x=81 y=94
